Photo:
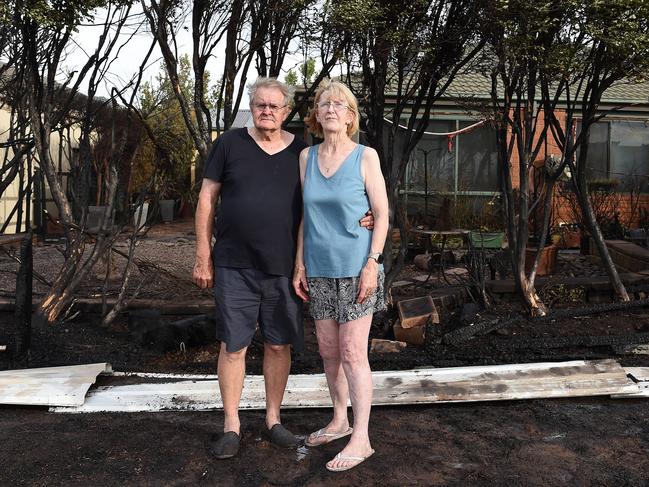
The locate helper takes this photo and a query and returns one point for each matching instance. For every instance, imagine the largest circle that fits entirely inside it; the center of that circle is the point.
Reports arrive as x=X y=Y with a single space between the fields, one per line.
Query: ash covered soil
x=582 y=441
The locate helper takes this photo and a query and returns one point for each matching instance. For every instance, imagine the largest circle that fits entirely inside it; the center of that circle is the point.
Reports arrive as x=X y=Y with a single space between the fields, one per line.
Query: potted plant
x=487 y=232
x=482 y=239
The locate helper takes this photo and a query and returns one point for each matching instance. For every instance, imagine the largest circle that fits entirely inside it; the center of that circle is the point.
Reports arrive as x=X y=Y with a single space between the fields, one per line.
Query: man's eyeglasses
x=261 y=107
x=336 y=105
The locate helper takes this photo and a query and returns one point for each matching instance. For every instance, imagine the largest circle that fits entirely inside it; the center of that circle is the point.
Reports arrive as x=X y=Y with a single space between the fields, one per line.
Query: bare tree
x=249 y=32
x=401 y=58
x=16 y=143
x=322 y=38
x=606 y=42
x=54 y=101
x=521 y=37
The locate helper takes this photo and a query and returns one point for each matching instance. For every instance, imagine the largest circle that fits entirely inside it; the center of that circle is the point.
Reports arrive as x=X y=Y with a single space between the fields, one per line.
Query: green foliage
x=172 y=153
x=478 y=213
x=355 y=15
x=404 y=29
x=306 y=69
x=55 y=14
x=562 y=294
x=291 y=78
x=621 y=27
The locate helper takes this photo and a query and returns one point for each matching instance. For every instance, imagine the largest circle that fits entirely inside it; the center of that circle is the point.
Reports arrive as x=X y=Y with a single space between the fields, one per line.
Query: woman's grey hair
x=262 y=82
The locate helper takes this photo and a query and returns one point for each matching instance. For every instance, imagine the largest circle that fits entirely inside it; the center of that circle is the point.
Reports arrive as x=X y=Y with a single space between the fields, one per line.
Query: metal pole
x=425 y=152
x=426 y=185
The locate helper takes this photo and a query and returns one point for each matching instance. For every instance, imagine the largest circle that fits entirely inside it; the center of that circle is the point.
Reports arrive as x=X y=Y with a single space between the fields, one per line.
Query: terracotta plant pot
x=547 y=264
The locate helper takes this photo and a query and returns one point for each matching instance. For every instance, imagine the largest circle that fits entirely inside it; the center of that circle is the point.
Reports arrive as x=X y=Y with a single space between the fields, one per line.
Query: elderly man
x=256 y=174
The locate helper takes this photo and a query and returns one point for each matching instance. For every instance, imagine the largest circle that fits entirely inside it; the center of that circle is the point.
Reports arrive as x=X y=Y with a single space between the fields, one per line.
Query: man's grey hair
x=263 y=82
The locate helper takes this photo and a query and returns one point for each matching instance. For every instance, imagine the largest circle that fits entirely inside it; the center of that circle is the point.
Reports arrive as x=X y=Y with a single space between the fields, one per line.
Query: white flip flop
x=344 y=458
x=329 y=437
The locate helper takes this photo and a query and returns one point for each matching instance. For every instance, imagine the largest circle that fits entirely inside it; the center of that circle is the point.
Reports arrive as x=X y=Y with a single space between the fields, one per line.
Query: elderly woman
x=338 y=263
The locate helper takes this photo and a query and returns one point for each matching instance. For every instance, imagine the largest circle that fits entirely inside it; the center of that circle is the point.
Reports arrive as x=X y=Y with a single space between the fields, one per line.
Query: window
x=478 y=159
x=432 y=165
x=466 y=165
x=619 y=149
x=629 y=154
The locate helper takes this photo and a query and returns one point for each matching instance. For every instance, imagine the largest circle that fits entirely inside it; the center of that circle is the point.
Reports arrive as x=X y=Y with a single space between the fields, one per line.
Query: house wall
x=551 y=147
x=629 y=207
x=9 y=197
x=633 y=210
x=62 y=151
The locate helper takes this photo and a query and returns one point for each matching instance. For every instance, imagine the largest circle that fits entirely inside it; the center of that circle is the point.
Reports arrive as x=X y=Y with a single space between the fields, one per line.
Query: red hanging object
x=450 y=142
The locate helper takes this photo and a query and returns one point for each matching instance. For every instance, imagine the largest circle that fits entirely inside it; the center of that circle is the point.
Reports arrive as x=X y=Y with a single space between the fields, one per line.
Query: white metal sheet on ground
x=461 y=384
x=643 y=391
x=641 y=375
x=638 y=373
x=49 y=386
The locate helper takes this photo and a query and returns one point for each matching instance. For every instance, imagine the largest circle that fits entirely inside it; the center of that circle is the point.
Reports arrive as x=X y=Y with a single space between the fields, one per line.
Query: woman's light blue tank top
x=335 y=245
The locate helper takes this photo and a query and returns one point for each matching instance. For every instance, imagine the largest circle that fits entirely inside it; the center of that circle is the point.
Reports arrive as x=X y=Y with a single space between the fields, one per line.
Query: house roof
x=243 y=118
x=477 y=85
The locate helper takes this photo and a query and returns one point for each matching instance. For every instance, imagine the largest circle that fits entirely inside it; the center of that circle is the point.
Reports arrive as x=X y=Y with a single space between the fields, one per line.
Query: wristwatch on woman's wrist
x=377 y=256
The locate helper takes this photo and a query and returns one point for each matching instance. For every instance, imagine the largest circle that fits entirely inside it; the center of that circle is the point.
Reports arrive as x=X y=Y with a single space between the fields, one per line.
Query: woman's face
x=333 y=113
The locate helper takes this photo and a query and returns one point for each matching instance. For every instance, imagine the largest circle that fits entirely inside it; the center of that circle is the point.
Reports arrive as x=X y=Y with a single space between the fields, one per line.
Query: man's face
x=268 y=109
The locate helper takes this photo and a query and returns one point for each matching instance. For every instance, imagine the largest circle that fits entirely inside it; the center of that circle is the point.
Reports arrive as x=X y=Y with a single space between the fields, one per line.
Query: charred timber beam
x=93 y=305
x=533 y=345
x=569 y=341
x=468 y=332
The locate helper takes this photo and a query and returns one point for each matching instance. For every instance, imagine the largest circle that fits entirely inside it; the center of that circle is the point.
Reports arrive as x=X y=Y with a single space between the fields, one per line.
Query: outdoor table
x=456 y=232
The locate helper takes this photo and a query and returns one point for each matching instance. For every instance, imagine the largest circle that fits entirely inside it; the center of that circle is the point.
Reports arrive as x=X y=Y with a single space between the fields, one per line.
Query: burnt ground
x=582 y=441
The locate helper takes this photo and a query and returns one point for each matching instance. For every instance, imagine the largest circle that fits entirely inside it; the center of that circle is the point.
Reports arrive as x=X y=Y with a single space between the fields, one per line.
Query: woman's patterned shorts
x=335 y=298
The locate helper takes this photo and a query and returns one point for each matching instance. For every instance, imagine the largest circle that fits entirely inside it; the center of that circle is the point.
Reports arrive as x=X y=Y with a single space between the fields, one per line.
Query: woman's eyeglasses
x=336 y=105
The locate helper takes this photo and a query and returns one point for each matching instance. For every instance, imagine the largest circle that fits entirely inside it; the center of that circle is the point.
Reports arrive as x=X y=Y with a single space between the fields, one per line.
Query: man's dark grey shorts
x=247 y=297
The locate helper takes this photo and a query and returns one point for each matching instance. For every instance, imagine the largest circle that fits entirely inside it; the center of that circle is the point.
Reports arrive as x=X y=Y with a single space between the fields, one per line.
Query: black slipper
x=226 y=446
x=280 y=437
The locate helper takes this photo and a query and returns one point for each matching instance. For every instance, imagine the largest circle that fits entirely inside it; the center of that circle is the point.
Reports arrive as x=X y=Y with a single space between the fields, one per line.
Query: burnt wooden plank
x=386 y=346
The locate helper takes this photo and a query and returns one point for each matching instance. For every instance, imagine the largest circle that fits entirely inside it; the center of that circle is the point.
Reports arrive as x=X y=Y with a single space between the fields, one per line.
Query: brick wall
x=629 y=207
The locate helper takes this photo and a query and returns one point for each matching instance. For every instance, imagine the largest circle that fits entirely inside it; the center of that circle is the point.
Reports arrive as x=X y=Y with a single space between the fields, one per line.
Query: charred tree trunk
x=23 y=310
x=588 y=216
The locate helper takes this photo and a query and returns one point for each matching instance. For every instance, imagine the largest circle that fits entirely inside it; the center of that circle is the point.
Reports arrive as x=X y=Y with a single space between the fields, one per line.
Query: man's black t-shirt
x=261 y=203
